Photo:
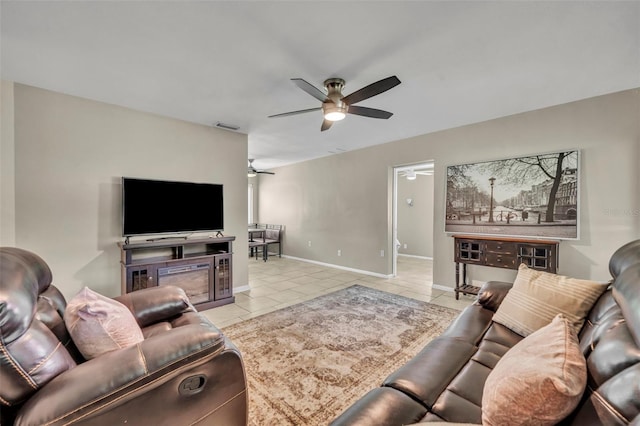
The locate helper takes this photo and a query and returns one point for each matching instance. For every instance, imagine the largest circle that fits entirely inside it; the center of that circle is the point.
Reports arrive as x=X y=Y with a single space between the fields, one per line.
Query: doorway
x=412 y=212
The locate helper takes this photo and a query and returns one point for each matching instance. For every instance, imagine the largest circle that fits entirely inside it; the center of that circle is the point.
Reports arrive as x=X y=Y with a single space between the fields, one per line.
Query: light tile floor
x=281 y=282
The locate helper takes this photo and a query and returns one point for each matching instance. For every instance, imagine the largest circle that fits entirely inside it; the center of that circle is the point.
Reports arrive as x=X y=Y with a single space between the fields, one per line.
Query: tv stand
x=201 y=266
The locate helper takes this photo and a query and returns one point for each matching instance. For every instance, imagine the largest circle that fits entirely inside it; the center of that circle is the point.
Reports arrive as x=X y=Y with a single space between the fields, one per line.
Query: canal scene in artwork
x=533 y=196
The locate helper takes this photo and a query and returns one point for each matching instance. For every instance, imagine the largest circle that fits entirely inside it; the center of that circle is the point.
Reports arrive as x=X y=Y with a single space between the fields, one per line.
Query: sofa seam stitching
x=20 y=370
x=47 y=358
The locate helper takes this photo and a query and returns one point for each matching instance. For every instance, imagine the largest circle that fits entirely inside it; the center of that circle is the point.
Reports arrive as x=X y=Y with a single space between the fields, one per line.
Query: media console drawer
x=500 y=260
x=500 y=247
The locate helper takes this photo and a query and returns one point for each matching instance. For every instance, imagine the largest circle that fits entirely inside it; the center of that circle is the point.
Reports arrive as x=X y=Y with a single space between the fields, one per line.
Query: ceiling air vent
x=227 y=126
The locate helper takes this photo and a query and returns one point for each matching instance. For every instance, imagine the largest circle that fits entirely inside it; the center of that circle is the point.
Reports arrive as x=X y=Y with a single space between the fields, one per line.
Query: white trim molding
x=442 y=287
x=415 y=256
x=344 y=268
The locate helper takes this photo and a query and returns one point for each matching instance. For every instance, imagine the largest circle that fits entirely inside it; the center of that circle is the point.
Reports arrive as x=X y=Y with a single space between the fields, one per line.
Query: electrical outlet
x=405 y=245
x=309 y=243
x=381 y=253
x=339 y=252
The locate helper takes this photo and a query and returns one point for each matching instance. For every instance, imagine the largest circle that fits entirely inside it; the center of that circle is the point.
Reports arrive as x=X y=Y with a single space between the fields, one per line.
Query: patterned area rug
x=309 y=362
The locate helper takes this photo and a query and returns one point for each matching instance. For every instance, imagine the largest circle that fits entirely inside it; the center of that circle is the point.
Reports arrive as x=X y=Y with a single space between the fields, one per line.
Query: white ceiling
x=232 y=61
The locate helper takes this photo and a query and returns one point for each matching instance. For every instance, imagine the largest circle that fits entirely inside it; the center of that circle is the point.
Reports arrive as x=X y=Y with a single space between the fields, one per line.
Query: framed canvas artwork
x=535 y=196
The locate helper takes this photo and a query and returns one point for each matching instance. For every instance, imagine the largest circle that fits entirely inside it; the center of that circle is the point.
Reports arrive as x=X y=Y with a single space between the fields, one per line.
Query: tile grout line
x=295 y=281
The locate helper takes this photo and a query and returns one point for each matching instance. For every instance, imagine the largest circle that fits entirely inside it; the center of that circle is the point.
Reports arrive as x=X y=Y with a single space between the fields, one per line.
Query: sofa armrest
x=108 y=382
x=154 y=304
x=492 y=293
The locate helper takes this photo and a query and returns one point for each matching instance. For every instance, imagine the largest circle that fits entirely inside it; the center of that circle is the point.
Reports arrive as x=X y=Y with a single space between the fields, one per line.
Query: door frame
x=420 y=166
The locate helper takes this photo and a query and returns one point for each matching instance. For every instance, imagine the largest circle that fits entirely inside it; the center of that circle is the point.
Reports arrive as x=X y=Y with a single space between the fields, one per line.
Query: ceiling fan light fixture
x=333 y=112
x=335 y=116
x=252 y=173
x=411 y=175
x=335 y=106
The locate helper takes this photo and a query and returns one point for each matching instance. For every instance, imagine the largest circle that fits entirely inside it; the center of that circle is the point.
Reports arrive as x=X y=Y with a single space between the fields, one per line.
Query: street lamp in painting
x=491 y=181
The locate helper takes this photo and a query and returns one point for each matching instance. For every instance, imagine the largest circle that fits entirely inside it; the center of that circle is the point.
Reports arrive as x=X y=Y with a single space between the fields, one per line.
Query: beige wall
x=332 y=204
x=70 y=154
x=415 y=223
x=343 y=201
x=7 y=166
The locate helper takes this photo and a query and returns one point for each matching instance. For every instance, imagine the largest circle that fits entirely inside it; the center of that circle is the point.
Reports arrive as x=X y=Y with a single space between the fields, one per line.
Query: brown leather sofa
x=444 y=382
x=184 y=372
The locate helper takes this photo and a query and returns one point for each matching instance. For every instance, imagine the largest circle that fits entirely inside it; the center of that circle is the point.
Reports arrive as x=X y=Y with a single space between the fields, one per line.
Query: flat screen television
x=151 y=207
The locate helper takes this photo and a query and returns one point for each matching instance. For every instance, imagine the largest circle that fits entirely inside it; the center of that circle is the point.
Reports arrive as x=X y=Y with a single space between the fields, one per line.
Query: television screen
x=162 y=207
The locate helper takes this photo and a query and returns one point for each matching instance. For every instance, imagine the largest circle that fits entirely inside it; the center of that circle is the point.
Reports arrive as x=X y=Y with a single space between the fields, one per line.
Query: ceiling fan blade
x=369 y=112
x=310 y=89
x=371 y=90
x=265 y=173
x=326 y=124
x=302 y=111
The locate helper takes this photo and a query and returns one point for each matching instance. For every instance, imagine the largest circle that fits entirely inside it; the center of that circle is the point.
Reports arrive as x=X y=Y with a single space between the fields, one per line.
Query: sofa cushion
x=462 y=399
x=538 y=296
x=492 y=293
x=427 y=374
x=30 y=353
x=471 y=325
x=98 y=324
x=539 y=381
x=624 y=257
x=387 y=406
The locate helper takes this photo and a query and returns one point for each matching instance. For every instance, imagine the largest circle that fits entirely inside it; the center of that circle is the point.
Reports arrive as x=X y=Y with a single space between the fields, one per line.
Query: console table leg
x=464 y=274
x=457 y=281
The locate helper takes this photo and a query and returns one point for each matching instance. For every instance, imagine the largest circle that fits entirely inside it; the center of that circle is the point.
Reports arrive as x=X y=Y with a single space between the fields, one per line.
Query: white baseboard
x=442 y=287
x=344 y=268
x=358 y=271
x=415 y=256
x=241 y=289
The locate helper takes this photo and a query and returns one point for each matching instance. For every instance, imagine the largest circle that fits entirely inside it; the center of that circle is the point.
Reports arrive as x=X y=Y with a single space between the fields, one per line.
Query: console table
x=200 y=266
x=501 y=252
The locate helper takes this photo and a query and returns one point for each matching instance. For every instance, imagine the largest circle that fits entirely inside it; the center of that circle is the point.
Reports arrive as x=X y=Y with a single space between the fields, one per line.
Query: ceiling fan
x=251 y=171
x=411 y=174
x=335 y=106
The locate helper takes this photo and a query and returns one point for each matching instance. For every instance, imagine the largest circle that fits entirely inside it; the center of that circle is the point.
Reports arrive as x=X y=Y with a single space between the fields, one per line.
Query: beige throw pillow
x=537 y=297
x=539 y=381
x=98 y=324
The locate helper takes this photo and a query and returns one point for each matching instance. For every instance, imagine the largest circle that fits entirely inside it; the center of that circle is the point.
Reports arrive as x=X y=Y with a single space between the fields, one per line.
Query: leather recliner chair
x=184 y=371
